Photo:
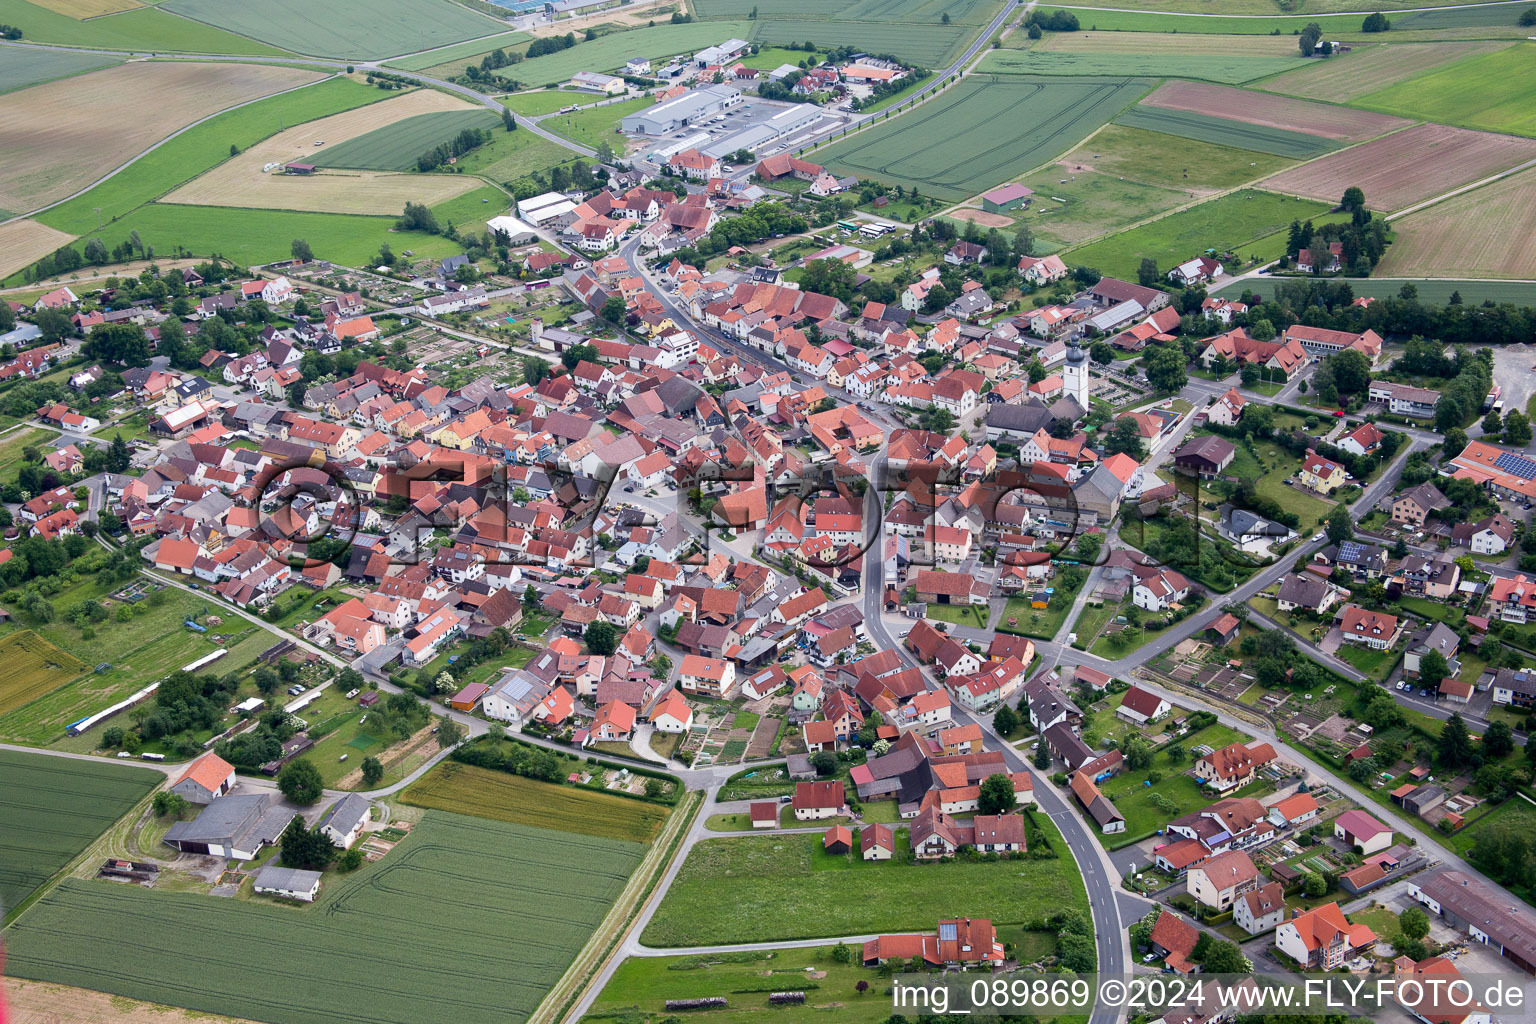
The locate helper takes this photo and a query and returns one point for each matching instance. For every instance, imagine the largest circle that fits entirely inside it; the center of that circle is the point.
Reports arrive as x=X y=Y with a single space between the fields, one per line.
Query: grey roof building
x=344 y=820
x=235 y=826
x=293 y=883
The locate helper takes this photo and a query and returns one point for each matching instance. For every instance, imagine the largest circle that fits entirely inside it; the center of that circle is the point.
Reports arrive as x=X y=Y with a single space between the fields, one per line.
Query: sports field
x=1187 y=124
x=1495 y=91
x=1281 y=112
x=1166 y=160
x=205 y=146
x=1488 y=232
x=23 y=242
x=766 y=888
x=54 y=807
x=344 y=28
x=33 y=666
x=1155 y=65
x=1340 y=79
x=1005 y=124
x=510 y=906
x=1236 y=221
x=146 y=28
x=501 y=796
x=395 y=147
x=911 y=29
x=24 y=67
x=605 y=53
x=240 y=180
x=1407 y=167
x=459 y=51
x=61 y=136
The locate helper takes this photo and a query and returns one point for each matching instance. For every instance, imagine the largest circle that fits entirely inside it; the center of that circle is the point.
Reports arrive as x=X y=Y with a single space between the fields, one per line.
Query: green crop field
x=545 y=101
x=1006 y=124
x=1225 y=132
x=511 y=907
x=202 y=147
x=53 y=808
x=344 y=28
x=1377 y=67
x=1467 y=18
x=33 y=667
x=24 y=67
x=147 y=28
x=1520 y=293
x=475 y=48
x=1169 y=161
x=1495 y=91
x=510 y=155
x=395 y=147
x=596 y=125
x=1236 y=221
x=910 y=29
x=1089 y=204
x=502 y=796
x=1227 y=70
x=765 y=888
x=607 y=53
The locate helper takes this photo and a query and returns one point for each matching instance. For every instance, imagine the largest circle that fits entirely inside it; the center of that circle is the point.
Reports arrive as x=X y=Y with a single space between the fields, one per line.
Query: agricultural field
x=796 y=891
x=595 y=125
x=33 y=667
x=1281 y=112
x=606 y=53
x=24 y=67
x=240 y=180
x=1236 y=58
x=60 y=137
x=911 y=29
x=1342 y=78
x=1263 y=8
x=395 y=147
x=146 y=28
x=1484 y=21
x=746 y=979
x=14 y=445
x=475 y=48
x=26 y=241
x=1231 y=70
x=1407 y=167
x=1495 y=91
x=1187 y=124
x=1169 y=162
x=502 y=796
x=1010 y=124
x=467 y=876
x=1488 y=232
x=53 y=808
x=344 y=28
x=89 y=8
x=1519 y=293
x=1073 y=206
x=1243 y=222
x=544 y=101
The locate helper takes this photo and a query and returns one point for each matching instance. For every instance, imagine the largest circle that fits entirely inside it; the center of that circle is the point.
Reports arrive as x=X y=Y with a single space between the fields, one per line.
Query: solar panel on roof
x=947 y=931
x=1516 y=465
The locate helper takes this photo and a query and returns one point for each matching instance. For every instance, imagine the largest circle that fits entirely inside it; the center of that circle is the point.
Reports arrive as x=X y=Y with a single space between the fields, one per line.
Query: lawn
x=1249 y=222
x=1009 y=123
x=510 y=155
x=1223 y=131
x=1170 y=162
x=1226 y=70
x=1040 y=624
x=147 y=28
x=15 y=444
x=474 y=49
x=595 y=125
x=1133 y=798
x=1494 y=91
x=1375 y=664
x=471 y=878
x=960 y=615
x=24 y=67
x=501 y=796
x=344 y=28
x=1514 y=812
x=1074 y=204
x=53 y=809
x=545 y=101
x=763 y=888
x=646 y=983
x=1139 y=636
x=395 y=147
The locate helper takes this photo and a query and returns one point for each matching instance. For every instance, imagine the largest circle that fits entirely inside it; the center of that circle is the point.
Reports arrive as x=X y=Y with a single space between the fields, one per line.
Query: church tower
x=1074 y=375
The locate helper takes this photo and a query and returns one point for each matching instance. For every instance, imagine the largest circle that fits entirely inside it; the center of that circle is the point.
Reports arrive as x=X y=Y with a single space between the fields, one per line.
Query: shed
x=289 y=883
x=1011 y=196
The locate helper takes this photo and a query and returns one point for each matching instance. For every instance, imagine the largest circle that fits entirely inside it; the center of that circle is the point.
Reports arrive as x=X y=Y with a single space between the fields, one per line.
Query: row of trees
x=445 y=152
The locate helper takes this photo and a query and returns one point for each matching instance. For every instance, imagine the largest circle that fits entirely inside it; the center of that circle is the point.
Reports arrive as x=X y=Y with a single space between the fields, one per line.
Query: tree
x=305 y=848
x=1226 y=958
x=1102 y=352
x=1354 y=196
x=300 y=250
x=1498 y=741
x=449 y=733
x=1351 y=371
x=508 y=122
x=168 y=804
x=997 y=795
x=1042 y=759
x=1340 y=526
x=1307 y=40
x=842 y=954
x=945 y=19
x=1005 y=719
x=1124 y=437
x=602 y=638
x=373 y=770
x=1375 y=23
x=825 y=762
x=1432 y=668
x=1035 y=31
x=1493 y=423
x=1315 y=886
x=1413 y=923
x=1517 y=429
x=1137 y=752
x=1455 y=746
x=1165 y=369
x=613 y=309
x=1528 y=17
x=300 y=781
x=1147 y=275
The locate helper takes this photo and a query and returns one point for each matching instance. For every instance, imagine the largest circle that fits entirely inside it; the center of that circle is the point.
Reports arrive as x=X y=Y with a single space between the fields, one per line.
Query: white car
x=1318 y=536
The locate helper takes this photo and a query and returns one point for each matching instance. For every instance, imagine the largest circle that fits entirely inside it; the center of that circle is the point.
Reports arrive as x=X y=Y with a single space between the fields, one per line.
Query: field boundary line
x=1464 y=188
x=586 y=971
